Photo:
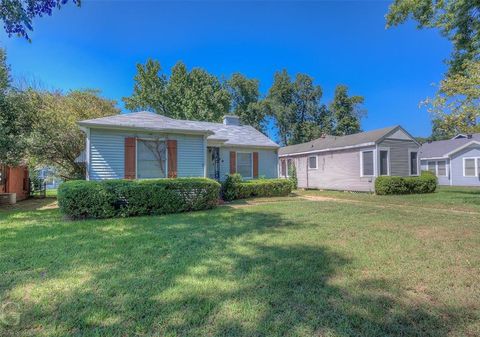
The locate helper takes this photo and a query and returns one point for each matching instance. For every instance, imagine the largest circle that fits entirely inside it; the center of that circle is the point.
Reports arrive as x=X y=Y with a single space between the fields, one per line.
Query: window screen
x=469 y=167
x=367 y=163
x=312 y=162
x=413 y=163
x=151 y=159
x=244 y=164
x=442 y=168
x=383 y=163
x=283 y=168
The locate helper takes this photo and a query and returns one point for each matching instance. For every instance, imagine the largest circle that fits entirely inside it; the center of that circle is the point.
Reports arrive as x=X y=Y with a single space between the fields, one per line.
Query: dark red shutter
x=130 y=158
x=255 y=165
x=172 y=158
x=233 y=162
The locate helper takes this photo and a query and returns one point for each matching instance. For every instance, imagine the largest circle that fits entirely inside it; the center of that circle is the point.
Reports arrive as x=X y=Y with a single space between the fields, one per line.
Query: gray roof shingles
x=243 y=135
x=440 y=148
x=334 y=142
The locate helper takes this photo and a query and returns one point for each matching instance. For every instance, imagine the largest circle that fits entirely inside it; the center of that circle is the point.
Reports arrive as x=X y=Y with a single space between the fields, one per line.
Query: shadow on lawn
x=205 y=273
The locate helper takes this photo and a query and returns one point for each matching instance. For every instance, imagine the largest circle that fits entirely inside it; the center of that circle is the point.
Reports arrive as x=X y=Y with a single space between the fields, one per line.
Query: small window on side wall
x=312 y=162
x=367 y=163
x=413 y=163
x=384 y=162
x=442 y=168
x=283 y=168
x=431 y=167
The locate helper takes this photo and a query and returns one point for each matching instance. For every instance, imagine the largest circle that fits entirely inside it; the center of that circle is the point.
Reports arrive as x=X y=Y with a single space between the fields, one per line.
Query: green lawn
x=357 y=266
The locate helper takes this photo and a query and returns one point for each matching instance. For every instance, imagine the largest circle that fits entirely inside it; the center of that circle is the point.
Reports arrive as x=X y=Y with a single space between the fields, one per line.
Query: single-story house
x=148 y=145
x=14 y=180
x=456 y=161
x=352 y=162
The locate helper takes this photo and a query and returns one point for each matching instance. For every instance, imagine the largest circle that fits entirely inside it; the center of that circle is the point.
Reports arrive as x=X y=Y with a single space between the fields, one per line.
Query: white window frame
x=316 y=163
x=388 y=161
x=374 y=163
x=286 y=168
x=251 y=166
x=435 y=166
x=151 y=140
x=410 y=163
x=446 y=168
x=475 y=161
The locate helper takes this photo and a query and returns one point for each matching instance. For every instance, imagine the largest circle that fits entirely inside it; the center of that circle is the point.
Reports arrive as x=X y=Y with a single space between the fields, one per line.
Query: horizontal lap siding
x=267 y=161
x=399 y=160
x=107 y=154
x=338 y=170
x=457 y=167
x=190 y=156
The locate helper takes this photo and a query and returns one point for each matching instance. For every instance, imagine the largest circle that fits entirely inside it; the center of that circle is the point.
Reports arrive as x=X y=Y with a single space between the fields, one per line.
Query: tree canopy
x=18 y=15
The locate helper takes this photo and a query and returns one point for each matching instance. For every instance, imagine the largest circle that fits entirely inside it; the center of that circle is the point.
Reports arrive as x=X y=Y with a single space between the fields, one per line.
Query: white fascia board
x=330 y=149
x=140 y=129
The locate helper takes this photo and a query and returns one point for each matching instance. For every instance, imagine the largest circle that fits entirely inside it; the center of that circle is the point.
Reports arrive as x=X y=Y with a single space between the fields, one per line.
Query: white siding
x=337 y=170
x=267 y=161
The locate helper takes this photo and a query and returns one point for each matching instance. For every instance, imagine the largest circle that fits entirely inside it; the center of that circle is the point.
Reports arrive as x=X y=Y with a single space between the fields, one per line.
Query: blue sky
x=98 y=45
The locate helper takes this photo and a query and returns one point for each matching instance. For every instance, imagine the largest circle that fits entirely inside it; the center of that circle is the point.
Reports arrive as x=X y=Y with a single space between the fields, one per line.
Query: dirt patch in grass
x=32 y=204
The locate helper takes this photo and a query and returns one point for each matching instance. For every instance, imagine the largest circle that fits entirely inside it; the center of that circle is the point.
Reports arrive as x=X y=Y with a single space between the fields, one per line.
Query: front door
x=213 y=163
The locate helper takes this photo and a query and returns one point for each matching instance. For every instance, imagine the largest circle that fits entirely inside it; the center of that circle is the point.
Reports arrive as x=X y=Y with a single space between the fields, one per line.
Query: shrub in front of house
x=234 y=187
x=425 y=183
x=81 y=199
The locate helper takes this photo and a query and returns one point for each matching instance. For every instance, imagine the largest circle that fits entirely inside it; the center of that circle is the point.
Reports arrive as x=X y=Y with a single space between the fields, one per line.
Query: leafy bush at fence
x=425 y=183
x=81 y=199
x=236 y=188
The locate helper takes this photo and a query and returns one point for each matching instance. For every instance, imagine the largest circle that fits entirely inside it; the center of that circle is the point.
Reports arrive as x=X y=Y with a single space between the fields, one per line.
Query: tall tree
x=18 y=15
x=149 y=89
x=245 y=101
x=456 y=106
x=195 y=95
x=16 y=118
x=458 y=20
x=280 y=105
x=346 y=111
x=296 y=108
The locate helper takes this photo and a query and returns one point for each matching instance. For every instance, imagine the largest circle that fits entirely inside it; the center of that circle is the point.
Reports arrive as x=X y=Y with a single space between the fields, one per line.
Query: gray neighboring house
x=456 y=161
x=148 y=145
x=352 y=162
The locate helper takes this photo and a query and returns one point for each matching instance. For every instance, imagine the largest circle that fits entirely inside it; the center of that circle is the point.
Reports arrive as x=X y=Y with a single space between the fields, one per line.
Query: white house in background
x=456 y=161
x=352 y=162
x=148 y=145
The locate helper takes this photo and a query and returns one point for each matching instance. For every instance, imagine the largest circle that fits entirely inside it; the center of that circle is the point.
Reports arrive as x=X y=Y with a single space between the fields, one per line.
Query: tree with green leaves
x=346 y=111
x=56 y=139
x=296 y=108
x=458 y=20
x=18 y=15
x=245 y=101
x=456 y=106
x=16 y=118
x=149 y=89
x=195 y=95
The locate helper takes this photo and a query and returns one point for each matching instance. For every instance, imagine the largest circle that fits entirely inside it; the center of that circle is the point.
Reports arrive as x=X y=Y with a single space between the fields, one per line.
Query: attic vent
x=231 y=120
x=469 y=136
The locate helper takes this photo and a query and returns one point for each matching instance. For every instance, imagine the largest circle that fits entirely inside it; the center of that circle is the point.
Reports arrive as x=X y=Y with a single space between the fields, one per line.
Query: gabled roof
x=341 y=142
x=243 y=135
x=443 y=148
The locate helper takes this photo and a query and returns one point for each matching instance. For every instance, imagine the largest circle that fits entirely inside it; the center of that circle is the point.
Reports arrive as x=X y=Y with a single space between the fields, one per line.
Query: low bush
x=425 y=183
x=81 y=199
x=235 y=188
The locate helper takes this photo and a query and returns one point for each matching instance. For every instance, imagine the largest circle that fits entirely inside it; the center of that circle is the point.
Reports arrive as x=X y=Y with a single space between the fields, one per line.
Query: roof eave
x=136 y=128
x=329 y=149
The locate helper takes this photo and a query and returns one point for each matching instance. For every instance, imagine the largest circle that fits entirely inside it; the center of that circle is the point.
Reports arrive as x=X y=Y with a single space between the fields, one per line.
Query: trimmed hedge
x=80 y=199
x=425 y=183
x=236 y=188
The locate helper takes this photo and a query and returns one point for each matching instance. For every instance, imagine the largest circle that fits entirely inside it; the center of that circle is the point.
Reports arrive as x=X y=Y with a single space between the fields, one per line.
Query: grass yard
x=318 y=264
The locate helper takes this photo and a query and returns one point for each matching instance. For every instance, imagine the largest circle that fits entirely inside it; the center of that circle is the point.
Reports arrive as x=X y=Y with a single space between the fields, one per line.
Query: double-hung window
x=441 y=168
x=471 y=167
x=283 y=168
x=245 y=164
x=151 y=159
x=367 y=163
